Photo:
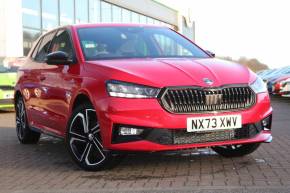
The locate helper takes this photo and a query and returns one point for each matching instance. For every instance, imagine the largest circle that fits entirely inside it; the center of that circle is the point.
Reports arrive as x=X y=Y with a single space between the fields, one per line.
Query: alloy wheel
x=85 y=138
x=20 y=119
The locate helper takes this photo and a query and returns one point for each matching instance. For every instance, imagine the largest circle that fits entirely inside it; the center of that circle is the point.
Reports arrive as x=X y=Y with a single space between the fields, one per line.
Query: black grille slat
x=194 y=100
x=183 y=137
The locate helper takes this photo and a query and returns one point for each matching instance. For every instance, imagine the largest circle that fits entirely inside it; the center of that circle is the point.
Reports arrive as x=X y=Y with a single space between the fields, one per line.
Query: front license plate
x=210 y=123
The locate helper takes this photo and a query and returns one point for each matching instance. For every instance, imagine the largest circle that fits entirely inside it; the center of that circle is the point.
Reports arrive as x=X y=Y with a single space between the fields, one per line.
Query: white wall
x=11 y=34
x=149 y=7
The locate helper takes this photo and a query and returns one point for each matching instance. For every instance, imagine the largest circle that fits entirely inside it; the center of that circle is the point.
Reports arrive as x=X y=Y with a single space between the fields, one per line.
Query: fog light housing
x=267 y=123
x=264 y=123
x=129 y=131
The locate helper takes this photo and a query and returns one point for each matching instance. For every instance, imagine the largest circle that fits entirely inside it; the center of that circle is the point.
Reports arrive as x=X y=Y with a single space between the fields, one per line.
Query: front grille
x=197 y=99
x=183 y=137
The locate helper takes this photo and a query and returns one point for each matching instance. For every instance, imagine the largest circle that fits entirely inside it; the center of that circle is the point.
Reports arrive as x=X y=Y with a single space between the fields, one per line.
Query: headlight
x=259 y=86
x=130 y=90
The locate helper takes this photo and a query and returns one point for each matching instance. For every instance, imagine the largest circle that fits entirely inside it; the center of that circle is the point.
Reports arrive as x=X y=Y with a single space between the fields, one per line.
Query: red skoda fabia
x=110 y=88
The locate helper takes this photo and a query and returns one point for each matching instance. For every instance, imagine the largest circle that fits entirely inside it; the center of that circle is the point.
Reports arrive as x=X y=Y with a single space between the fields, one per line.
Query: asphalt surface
x=47 y=167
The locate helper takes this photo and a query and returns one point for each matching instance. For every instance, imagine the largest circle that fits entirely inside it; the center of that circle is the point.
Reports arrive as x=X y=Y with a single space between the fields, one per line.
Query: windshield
x=135 y=42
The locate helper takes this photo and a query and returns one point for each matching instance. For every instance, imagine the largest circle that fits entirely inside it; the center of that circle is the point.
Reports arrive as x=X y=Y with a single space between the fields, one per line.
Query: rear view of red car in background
x=278 y=83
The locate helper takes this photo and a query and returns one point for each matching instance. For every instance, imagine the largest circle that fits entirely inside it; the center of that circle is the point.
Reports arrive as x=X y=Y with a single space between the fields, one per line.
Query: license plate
x=211 y=123
x=8 y=95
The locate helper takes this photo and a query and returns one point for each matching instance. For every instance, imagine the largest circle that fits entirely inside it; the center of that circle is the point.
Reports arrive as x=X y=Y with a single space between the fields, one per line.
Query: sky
x=251 y=28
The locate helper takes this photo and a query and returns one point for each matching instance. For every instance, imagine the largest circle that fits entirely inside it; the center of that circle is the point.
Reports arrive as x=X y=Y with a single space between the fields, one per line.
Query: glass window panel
x=156 y=22
x=36 y=48
x=49 y=14
x=62 y=42
x=66 y=12
x=95 y=7
x=29 y=36
x=135 y=18
x=150 y=20
x=170 y=47
x=135 y=42
x=126 y=16
x=31 y=13
x=106 y=12
x=117 y=14
x=143 y=19
x=81 y=11
x=44 y=46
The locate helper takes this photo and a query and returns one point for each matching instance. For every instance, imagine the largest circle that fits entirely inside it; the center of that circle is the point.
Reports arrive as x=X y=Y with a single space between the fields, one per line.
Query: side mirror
x=210 y=53
x=58 y=57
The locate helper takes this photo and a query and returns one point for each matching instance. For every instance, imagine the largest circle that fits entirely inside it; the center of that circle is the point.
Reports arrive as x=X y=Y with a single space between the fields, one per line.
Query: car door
x=58 y=84
x=32 y=85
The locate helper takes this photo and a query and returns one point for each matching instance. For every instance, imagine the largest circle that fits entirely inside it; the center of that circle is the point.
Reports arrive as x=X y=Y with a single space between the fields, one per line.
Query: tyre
x=24 y=133
x=84 y=141
x=236 y=150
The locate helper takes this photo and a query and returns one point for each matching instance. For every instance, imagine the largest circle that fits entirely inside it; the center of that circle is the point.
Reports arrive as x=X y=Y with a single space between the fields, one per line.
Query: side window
x=36 y=48
x=62 y=42
x=43 y=47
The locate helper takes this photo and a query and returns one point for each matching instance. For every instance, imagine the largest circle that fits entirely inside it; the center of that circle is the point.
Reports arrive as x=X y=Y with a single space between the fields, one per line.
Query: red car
x=110 y=88
x=278 y=84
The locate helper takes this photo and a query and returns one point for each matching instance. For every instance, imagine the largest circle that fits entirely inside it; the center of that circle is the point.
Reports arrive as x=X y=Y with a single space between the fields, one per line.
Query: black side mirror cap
x=58 y=57
x=210 y=53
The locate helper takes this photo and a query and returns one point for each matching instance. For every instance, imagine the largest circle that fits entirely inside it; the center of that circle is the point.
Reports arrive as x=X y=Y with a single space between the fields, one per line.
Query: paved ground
x=46 y=167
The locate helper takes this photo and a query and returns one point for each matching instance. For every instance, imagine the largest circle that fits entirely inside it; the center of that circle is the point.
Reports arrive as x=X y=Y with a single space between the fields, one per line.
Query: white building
x=22 y=21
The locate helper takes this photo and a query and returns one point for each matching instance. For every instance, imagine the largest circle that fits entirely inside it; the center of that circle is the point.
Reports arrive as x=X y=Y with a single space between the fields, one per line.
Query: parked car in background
x=8 y=73
x=13 y=62
x=285 y=88
x=274 y=85
x=264 y=72
x=272 y=78
x=7 y=83
x=276 y=73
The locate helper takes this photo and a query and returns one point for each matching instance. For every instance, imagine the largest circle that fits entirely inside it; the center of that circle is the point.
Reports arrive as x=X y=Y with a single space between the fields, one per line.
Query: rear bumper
x=148 y=113
x=285 y=93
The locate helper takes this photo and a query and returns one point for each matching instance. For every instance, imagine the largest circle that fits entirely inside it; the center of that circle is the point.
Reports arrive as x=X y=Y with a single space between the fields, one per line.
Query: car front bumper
x=6 y=99
x=160 y=124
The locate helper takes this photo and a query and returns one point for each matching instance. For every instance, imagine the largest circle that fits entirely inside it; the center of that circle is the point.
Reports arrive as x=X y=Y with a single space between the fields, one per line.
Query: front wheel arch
x=16 y=97
x=80 y=99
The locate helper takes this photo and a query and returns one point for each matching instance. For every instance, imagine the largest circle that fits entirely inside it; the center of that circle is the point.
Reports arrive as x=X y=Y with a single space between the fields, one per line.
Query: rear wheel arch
x=24 y=133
